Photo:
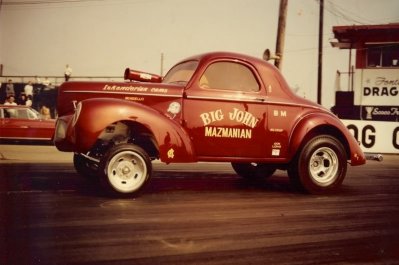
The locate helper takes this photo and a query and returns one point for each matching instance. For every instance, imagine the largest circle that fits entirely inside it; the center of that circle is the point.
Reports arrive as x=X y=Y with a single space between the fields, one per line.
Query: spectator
x=45 y=112
x=10 y=101
x=46 y=82
x=28 y=89
x=68 y=72
x=10 y=89
x=28 y=101
x=22 y=99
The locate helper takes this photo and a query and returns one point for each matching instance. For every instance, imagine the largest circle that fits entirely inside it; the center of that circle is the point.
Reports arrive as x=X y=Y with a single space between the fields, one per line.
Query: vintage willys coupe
x=219 y=106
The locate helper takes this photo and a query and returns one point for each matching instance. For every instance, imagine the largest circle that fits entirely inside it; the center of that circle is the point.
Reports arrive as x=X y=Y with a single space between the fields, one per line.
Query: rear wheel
x=253 y=170
x=125 y=170
x=320 y=167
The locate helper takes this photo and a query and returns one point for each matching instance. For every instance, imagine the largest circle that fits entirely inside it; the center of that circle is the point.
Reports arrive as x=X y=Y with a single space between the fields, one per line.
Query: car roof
x=226 y=55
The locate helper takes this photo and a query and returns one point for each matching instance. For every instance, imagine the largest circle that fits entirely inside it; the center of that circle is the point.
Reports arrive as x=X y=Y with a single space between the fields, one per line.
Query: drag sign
x=375 y=136
x=377 y=88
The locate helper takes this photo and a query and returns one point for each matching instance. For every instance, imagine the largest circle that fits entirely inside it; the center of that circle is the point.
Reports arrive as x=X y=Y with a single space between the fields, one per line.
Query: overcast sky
x=103 y=37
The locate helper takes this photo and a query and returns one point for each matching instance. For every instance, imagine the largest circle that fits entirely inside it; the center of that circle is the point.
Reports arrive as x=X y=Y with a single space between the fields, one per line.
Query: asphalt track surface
x=192 y=214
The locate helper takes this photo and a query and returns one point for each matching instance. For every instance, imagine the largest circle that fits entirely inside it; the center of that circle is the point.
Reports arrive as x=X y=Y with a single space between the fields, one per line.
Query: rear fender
x=320 y=123
x=96 y=114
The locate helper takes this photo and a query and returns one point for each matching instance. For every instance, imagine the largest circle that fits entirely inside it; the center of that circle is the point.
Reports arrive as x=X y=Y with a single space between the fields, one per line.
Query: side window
x=22 y=114
x=229 y=76
x=383 y=55
x=10 y=113
x=32 y=115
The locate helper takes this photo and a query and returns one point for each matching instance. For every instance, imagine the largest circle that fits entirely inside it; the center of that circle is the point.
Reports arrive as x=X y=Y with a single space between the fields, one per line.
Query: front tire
x=320 y=167
x=125 y=170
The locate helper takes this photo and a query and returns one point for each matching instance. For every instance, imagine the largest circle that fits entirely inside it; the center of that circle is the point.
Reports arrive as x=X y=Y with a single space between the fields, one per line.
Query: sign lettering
x=375 y=136
x=236 y=115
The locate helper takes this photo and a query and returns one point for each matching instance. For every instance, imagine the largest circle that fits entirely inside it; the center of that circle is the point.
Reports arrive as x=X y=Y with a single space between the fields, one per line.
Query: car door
x=225 y=113
x=15 y=123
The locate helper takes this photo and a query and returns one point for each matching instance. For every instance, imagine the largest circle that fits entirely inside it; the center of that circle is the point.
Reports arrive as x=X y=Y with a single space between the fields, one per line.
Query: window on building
x=229 y=76
x=383 y=55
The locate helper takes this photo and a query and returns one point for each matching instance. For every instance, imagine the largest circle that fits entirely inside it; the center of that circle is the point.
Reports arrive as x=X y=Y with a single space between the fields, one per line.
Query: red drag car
x=220 y=106
x=24 y=124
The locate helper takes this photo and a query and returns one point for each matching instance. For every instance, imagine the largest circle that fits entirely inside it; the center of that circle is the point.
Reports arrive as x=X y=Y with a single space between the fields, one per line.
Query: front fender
x=96 y=114
x=326 y=123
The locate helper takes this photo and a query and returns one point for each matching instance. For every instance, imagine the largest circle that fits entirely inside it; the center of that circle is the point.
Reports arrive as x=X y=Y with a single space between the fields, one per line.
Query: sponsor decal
x=174 y=109
x=279 y=113
x=171 y=153
x=135 y=98
x=276 y=149
x=277 y=130
x=275 y=152
x=145 y=76
x=276 y=145
x=132 y=88
x=239 y=116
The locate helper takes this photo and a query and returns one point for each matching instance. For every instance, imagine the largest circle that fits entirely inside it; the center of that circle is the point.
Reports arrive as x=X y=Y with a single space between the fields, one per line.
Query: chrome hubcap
x=323 y=166
x=127 y=171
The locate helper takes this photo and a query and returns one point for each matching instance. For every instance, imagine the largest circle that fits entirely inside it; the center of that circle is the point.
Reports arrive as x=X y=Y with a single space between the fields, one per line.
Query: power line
x=345 y=14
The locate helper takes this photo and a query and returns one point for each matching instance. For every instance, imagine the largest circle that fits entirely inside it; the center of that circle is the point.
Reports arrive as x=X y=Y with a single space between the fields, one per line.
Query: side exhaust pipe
x=374 y=157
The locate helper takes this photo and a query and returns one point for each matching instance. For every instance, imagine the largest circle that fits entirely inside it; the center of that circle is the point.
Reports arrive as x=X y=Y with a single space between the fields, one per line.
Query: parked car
x=221 y=107
x=24 y=124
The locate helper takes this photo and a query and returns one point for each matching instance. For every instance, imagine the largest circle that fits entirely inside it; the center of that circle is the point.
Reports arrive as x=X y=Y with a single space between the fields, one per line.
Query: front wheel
x=125 y=169
x=320 y=167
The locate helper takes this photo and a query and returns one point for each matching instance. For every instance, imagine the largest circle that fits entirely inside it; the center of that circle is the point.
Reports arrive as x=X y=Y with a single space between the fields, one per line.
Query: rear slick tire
x=125 y=170
x=320 y=167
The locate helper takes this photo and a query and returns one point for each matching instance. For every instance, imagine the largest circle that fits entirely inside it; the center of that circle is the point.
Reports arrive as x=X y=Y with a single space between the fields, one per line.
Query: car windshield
x=34 y=115
x=181 y=73
x=21 y=113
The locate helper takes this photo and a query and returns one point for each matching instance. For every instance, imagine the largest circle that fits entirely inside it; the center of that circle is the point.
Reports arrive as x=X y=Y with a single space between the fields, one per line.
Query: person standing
x=28 y=89
x=68 y=72
x=10 y=89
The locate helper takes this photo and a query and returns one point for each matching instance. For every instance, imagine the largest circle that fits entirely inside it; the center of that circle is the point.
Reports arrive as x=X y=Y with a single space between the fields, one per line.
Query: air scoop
x=134 y=75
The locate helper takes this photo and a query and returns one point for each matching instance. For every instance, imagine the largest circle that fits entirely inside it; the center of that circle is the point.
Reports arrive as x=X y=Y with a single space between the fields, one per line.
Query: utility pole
x=281 y=33
x=320 y=64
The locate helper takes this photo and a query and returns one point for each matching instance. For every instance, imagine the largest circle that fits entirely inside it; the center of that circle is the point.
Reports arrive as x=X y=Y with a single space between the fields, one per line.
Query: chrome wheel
x=127 y=171
x=323 y=166
x=320 y=167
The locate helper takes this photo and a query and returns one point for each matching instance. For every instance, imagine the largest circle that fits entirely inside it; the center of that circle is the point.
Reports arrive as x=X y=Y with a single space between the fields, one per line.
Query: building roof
x=347 y=36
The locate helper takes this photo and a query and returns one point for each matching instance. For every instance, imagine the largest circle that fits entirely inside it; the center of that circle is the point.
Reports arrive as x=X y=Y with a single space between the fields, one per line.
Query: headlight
x=77 y=113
